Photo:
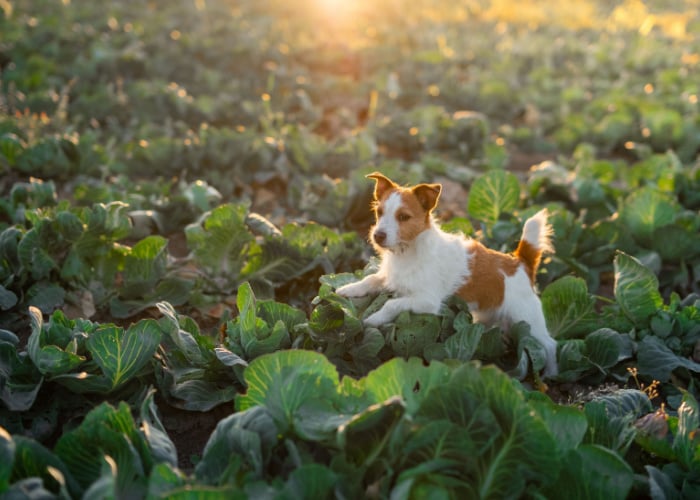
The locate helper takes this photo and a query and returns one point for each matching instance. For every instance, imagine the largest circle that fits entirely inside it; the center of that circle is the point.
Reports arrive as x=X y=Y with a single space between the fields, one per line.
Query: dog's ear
x=383 y=184
x=427 y=195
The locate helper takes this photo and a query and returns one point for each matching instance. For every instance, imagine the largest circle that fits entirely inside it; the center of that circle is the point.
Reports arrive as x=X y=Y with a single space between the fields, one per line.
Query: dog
x=422 y=265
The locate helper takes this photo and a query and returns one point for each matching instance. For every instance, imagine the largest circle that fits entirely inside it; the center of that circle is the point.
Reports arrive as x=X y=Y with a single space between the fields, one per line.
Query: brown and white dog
x=423 y=265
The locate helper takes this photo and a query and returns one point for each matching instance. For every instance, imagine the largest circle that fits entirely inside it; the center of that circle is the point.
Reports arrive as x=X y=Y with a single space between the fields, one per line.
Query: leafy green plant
x=21 y=380
x=107 y=454
x=673 y=438
x=492 y=195
x=88 y=357
x=191 y=373
x=146 y=280
x=390 y=429
x=203 y=163
x=261 y=326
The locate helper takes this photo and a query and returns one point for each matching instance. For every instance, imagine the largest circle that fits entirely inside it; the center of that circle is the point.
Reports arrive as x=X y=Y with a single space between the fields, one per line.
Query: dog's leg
x=522 y=304
x=538 y=329
x=393 y=307
x=529 y=310
x=368 y=285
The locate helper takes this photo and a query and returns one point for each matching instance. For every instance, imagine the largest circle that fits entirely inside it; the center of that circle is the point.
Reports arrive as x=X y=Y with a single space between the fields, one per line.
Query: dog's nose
x=380 y=237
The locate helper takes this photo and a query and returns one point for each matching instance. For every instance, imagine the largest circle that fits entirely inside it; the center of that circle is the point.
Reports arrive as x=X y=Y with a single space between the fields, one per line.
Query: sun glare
x=337 y=9
x=335 y=4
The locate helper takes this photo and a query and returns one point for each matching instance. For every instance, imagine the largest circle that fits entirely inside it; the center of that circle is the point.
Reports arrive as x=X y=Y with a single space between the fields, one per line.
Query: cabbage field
x=182 y=190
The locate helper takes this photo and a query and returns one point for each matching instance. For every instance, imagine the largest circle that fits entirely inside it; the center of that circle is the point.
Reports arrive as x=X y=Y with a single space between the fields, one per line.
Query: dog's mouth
x=398 y=248
x=383 y=244
x=380 y=239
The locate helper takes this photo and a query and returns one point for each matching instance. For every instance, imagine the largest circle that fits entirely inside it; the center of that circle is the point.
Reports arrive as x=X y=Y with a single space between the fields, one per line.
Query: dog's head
x=402 y=213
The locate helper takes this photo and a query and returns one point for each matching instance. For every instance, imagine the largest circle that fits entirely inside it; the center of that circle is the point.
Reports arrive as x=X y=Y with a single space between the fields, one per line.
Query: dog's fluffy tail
x=535 y=241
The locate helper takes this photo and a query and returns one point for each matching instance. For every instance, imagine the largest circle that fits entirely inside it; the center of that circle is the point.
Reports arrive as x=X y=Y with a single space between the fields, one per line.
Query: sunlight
x=574 y=15
x=636 y=15
x=336 y=9
x=339 y=21
x=6 y=7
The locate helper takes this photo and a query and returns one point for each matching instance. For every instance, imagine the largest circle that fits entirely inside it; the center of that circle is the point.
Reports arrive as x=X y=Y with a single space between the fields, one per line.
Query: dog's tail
x=535 y=241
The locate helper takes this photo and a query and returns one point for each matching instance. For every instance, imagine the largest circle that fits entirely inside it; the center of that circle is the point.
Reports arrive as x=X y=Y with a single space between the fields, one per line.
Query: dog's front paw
x=352 y=290
x=374 y=320
x=378 y=319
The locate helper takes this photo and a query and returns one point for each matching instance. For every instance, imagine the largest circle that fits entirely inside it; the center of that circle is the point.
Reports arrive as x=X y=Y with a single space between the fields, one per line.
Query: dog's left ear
x=427 y=195
x=383 y=184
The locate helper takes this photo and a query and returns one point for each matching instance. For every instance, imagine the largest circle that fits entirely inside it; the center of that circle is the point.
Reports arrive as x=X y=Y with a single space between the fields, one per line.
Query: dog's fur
x=423 y=265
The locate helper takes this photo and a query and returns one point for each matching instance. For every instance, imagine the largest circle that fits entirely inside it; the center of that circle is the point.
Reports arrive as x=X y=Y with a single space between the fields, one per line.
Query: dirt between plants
x=190 y=430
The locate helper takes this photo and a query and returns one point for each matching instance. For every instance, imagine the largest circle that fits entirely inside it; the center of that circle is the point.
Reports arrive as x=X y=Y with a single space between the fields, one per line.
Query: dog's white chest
x=436 y=265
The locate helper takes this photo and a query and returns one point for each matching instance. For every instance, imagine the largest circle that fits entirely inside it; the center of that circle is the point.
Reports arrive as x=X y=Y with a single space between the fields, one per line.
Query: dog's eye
x=380 y=212
x=403 y=217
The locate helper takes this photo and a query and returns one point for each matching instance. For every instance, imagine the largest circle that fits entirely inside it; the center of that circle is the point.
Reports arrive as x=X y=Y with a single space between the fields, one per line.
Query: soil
x=520 y=161
x=190 y=430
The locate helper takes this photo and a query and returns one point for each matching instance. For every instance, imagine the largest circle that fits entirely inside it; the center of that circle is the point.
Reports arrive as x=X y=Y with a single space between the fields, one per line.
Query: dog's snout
x=380 y=237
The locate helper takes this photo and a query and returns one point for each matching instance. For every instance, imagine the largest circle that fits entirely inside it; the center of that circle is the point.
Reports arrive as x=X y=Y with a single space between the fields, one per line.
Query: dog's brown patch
x=530 y=256
x=383 y=185
x=412 y=217
x=427 y=195
x=486 y=284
